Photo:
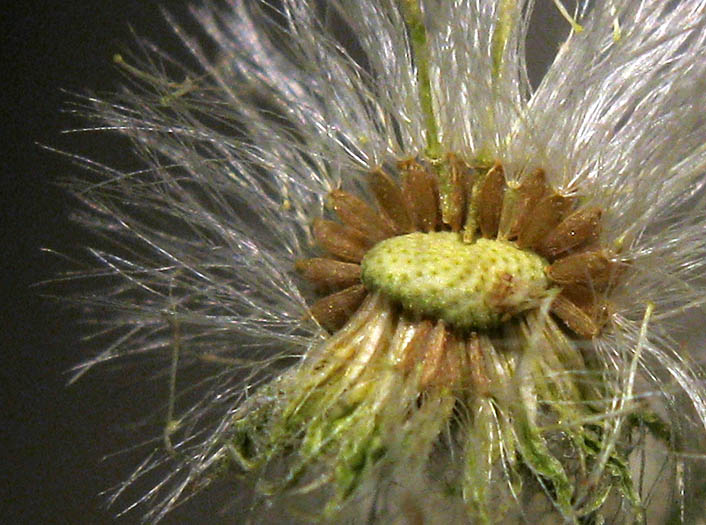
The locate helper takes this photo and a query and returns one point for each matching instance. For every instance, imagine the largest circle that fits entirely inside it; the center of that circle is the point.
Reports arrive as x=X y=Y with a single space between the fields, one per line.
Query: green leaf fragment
x=539 y=459
x=481 y=453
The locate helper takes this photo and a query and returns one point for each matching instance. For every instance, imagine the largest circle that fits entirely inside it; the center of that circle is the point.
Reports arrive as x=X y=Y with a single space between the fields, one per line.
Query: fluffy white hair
x=197 y=249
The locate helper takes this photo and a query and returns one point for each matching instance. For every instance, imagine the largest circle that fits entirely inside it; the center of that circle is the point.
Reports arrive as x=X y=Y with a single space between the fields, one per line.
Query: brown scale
x=477 y=201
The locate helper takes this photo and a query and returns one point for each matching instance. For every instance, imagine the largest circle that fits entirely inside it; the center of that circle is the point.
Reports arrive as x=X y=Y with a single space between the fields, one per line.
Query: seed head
x=412 y=286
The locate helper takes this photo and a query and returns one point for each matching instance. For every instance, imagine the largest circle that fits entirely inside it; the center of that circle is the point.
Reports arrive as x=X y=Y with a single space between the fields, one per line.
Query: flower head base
x=496 y=269
x=469 y=286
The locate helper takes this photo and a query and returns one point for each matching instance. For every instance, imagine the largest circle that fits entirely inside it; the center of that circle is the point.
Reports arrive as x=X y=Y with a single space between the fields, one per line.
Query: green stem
x=501 y=35
x=418 y=34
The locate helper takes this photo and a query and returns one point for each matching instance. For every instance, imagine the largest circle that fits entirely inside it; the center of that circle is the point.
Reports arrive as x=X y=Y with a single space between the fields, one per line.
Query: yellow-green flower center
x=469 y=286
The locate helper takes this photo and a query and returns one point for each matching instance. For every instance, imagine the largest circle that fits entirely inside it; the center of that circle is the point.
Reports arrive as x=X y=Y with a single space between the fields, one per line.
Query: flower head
x=417 y=288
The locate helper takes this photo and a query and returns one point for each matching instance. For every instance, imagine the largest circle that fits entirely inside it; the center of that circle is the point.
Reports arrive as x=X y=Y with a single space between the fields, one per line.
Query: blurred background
x=59 y=441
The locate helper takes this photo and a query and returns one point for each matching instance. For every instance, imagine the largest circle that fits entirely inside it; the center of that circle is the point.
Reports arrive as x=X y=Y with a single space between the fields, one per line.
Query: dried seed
x=580 y=227
x=574 y=317
x=509 y=208
x=391 y=201
x=594 y=268
x=470 y=226
x=593 y=303
x=545 y=216
x=334 y=310
x=354 y=212
x=327 y=274
x=531 y=190
x=490 y=201
x=479 y=381
x=435 y=347
x=414 y=351
x=582 y=309
x=420 y=192
x=342 y=241
x=448 y=369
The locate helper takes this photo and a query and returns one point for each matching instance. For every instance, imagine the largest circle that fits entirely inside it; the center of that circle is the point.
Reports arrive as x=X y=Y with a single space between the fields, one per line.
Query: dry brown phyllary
x=452 y=195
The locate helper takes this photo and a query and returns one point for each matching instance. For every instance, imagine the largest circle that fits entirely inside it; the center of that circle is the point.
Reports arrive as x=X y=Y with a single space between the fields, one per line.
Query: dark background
x=54 y=436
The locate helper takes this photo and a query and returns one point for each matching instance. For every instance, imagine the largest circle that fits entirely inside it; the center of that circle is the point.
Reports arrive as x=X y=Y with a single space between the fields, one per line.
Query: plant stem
x=501 y=35
x=414 y=20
